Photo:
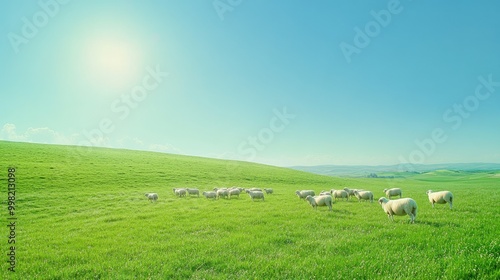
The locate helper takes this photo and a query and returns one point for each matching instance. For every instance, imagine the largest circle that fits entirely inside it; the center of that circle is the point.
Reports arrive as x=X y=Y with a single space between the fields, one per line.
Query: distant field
x=398 y=170
x=83 y=215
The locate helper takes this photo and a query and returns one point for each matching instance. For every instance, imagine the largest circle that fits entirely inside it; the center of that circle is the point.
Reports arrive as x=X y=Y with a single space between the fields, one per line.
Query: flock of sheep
x=216 y=193
x=398 y=207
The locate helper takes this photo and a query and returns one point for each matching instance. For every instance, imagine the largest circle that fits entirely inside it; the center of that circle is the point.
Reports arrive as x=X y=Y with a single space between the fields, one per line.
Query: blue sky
x=276 y=82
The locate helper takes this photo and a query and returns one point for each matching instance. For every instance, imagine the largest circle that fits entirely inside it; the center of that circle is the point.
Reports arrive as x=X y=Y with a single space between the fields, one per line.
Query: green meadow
x=82 y=214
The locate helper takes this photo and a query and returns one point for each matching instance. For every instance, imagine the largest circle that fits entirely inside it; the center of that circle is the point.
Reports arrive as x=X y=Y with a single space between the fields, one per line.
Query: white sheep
x=363 y=195
x=152 y=196
x=322 y=200
x=269 y=191
x=233 y=192
x=254 y=189
x=304 y=193
x=349 y=191
x=210 y=194
x=256 y=194
x=180 y=192
x=441 y=197
x=399 y=207
x=325 y=193
x=222 y=193
x=237 y=188
x=393 y=192
x=178 y=189
x=340 y=194
x=193 y=192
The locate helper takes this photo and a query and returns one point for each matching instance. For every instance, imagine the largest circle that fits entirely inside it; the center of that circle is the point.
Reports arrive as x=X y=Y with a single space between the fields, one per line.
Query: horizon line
x=255 y=162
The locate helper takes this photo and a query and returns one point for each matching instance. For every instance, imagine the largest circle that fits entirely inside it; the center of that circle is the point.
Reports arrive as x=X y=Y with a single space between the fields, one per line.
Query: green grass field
x=83 y=215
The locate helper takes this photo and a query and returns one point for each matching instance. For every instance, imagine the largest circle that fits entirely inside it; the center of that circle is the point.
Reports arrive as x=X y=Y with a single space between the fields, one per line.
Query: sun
x=111 y=64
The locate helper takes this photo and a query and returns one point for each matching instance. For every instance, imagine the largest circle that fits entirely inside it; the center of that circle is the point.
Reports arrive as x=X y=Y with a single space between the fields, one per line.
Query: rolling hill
x=82 y=214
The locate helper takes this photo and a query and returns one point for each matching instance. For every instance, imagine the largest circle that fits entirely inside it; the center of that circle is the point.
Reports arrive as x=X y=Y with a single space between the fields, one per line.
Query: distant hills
x=384 y=171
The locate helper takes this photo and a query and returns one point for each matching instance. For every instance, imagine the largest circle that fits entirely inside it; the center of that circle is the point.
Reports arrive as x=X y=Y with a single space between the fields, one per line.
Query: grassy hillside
x=82 y=214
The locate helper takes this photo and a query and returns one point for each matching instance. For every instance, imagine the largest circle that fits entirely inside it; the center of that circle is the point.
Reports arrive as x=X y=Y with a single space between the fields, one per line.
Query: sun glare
x=112 y=64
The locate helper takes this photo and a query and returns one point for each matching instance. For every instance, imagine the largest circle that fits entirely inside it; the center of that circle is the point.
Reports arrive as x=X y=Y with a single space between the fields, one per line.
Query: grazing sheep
x=393 y=192
x=232 y=192
x=399 y=207
x=340 y=194
x=152 y=196
x=325 y=193
x=363 y=195
x=193 y=192
x=322 y=200
x=177 y=189
x=441 y=197
x=304 y=193
x=351 y=191
x=254 y=190
x=222 y=193
x=210 y=194
x=237 y=188
x=256 y=194
x=269 y=191
x=180 y=192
